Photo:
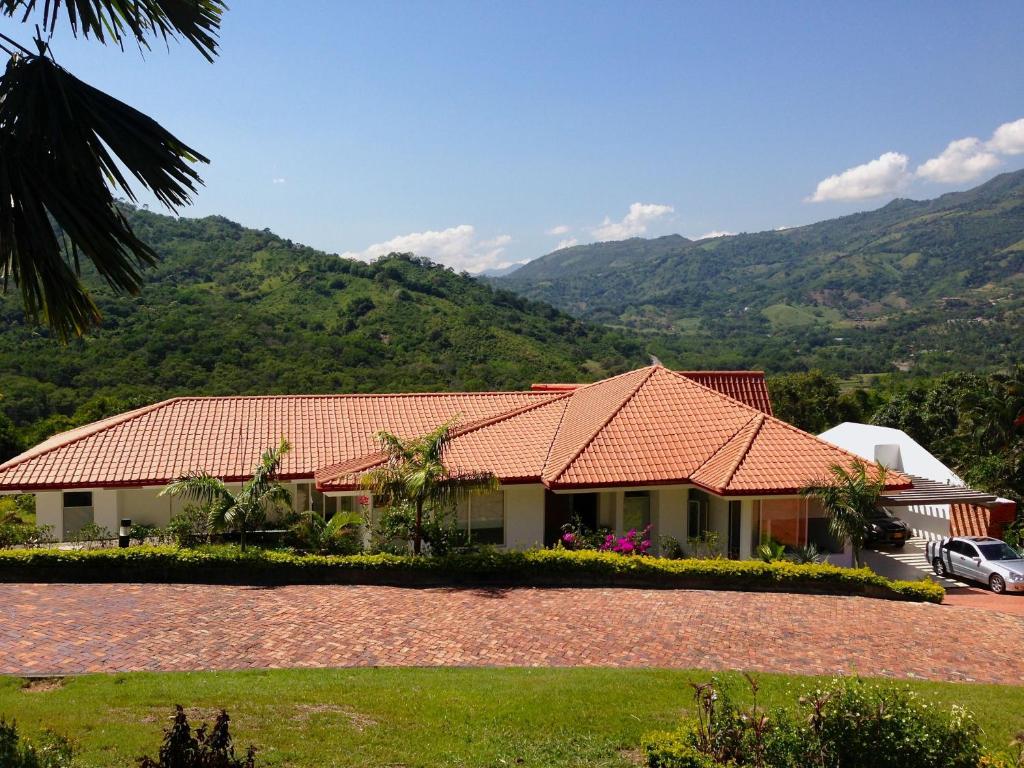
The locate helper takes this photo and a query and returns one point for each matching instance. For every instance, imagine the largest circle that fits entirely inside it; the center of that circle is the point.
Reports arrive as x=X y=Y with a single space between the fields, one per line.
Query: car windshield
x=880 y=513
x=998 y=551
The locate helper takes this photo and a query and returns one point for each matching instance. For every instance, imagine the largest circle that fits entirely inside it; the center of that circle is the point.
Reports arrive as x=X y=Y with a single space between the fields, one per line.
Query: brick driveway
x=66 y=629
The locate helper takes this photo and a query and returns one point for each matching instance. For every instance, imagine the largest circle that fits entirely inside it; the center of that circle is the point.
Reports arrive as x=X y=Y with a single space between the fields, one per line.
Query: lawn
x=415 y=717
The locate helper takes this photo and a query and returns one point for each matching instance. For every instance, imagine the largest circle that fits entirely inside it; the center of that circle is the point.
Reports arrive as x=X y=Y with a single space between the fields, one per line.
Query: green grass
x=417 y=717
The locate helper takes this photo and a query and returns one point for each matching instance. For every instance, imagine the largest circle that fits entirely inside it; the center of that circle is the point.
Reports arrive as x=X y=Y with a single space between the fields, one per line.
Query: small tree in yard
x=849 y=497
x=243 y=511
x=414 y=472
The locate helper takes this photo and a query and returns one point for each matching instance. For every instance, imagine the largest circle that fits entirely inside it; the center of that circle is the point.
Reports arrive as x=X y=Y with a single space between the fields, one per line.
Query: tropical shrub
x=341 y=535
x=671 y=548
x=206 y=748
x=50 y=751
x=771 y=551
x=845 y=723
x=139 y=532
x=91 y=534
x=577 y=535
x=538 y=567
x=190 y=527
x=706 y=546
x=17 y=534
x=633 y=543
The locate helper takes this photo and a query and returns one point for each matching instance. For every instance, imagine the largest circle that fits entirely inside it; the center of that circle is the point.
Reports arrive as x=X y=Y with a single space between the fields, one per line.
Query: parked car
x=979 y=558
x=886 y=530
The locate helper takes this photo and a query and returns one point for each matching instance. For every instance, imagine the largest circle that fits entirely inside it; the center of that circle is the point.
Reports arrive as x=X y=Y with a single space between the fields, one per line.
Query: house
x=687 y=453
x=940 y=504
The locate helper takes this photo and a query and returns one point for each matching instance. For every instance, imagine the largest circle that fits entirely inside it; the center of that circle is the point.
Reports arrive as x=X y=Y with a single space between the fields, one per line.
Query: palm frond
x=58 y=141
x=198 y=21
x=200 y=487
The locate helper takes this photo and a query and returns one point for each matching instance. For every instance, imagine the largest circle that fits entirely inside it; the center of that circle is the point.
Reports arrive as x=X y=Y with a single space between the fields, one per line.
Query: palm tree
x=243 y=511
x=63 y=145
x=849 y=498
x=414 y=472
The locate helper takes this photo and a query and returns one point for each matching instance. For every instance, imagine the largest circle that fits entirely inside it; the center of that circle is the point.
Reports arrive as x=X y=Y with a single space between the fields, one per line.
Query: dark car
x=885 y=530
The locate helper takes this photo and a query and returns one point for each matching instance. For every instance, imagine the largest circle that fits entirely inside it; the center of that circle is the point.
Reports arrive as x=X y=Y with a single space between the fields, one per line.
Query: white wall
x=145 y=506
x=669 y=515
x=929 y=522
x=50 y=512
x=524 y=516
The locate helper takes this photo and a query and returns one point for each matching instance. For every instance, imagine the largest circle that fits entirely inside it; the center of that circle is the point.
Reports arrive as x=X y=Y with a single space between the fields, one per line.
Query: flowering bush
x=577 y=536
x=633 y=543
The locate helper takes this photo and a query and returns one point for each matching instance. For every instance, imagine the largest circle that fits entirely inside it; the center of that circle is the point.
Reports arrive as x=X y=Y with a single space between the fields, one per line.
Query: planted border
x=537 y=568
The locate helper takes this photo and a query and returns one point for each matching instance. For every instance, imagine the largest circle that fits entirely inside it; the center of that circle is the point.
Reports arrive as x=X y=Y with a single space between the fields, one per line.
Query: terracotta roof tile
x=225 y=436
x=749 y=387
x=646 y=427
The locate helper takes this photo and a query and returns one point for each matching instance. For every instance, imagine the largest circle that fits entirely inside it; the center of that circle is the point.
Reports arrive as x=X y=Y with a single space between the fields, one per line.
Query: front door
x=734 y=530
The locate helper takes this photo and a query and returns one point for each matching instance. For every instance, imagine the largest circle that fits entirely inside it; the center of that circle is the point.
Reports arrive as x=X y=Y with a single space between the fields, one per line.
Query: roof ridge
x=649 y=372
x=725 y=445
x=718 y=373
x=370 y=459
x=101 y=425
x=746 y=449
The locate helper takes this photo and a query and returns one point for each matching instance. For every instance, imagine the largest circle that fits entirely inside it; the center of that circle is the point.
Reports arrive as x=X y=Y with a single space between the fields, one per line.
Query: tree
x=246 y=510
x=809 y=400
x=849 y=498
x=63 y=145
x=414 y=472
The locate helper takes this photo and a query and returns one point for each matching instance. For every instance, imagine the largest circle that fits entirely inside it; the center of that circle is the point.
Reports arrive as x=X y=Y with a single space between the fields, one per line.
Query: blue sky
x=484 y=133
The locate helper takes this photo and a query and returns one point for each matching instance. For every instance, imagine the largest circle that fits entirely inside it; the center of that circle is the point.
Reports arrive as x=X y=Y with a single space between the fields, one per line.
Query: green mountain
x=923 y=285
x=231 y=310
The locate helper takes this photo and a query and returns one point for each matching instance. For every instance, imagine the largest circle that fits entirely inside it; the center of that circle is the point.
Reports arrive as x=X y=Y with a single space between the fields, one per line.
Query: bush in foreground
x=226 y=564
x=847 y=723
x=15 y=752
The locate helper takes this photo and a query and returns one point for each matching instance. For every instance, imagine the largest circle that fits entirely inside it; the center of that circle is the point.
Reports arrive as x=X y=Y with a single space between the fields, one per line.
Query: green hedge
x=538 y=567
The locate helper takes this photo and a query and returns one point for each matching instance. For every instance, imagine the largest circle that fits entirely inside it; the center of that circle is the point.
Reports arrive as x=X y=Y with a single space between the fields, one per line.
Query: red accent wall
x=975 y=520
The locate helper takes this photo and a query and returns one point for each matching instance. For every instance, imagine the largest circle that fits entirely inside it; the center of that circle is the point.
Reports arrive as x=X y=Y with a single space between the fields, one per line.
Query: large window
x=697 y=514
x=636 y=510
x=482 y=516
x=795 y=522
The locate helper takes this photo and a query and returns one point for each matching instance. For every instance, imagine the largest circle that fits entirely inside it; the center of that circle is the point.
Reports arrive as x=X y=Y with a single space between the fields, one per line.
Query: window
x=784 y=521
x=78 y=499
x=636 y=510
x=735 y=518
x=697 y=514
x=307 y=498
x=482 y=516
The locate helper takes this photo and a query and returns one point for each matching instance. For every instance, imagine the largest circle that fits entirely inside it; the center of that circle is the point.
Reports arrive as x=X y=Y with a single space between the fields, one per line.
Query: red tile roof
x=650 y=426
x=646 y=427
x=225 y=436
x=748 y=387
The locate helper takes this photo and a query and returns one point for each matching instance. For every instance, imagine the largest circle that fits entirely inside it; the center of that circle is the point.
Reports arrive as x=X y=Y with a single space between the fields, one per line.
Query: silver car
x=979 y=558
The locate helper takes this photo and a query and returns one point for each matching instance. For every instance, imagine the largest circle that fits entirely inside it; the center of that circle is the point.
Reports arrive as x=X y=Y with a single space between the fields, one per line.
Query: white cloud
x=882 y=176
x=961 y=160
x=715 y=233
x=561 y=229
x=1008 y=138
x=634 y=223
x=278 y=180
x=456 y=247
x=568 y=242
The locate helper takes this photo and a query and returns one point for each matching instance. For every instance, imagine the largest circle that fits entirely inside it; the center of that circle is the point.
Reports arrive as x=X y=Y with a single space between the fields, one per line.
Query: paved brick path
x=66 y=629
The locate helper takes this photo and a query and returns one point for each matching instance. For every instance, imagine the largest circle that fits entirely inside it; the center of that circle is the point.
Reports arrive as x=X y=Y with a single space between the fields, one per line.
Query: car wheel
x=899 y=545
x=997 y=584
x=939 y=567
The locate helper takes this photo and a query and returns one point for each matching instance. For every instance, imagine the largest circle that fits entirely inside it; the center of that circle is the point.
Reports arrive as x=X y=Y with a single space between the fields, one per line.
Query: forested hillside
x=234 y=310
x=927 y=286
